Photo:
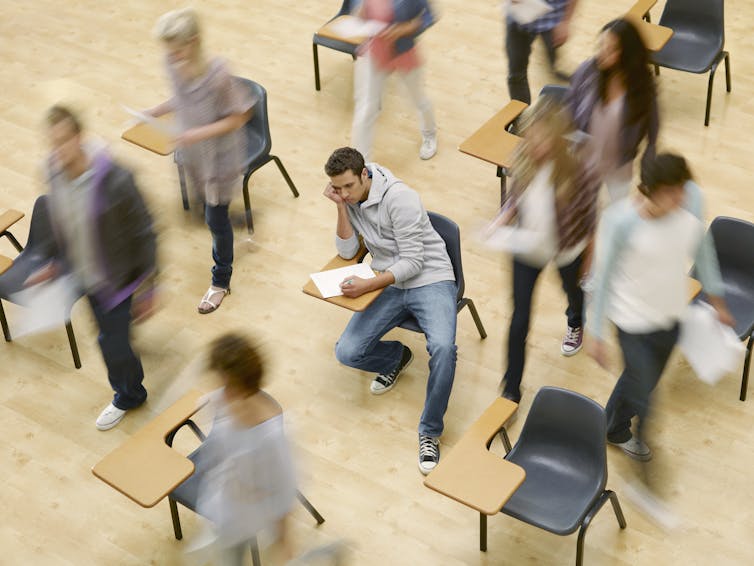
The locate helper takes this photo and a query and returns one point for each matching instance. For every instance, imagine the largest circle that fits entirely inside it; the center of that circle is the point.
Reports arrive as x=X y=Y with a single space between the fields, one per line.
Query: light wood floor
x=357 y=453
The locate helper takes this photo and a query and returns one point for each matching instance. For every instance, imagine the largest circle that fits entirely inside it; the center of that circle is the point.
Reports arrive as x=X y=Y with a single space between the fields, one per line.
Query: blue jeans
x=644 y=358
x=124 y=369
x=222 y=243
x=434 y=308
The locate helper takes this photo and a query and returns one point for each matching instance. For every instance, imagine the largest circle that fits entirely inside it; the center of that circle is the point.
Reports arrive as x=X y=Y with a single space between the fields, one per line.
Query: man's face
x=350 y=187
x=65 y=143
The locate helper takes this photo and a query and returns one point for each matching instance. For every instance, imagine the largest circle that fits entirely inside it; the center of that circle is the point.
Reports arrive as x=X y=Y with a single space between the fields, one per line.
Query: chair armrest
x=9 y=218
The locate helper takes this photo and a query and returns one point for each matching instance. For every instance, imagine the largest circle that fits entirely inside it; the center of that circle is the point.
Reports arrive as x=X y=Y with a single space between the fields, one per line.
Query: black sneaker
x=385 y=381
x=429 y=453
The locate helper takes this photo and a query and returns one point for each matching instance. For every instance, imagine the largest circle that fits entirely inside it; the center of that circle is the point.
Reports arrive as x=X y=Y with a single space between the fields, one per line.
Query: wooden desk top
x=5 y=263
x=327 y=31
x=359 y=303
x=471 y=474
x=641 y=7
x=147 y=136
x=491 y=142
x=9 y=218
x=654 y=36
x=144 y=468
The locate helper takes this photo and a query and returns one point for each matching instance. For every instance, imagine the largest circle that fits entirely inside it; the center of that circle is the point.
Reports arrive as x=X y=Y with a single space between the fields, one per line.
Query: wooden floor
x=357 y=452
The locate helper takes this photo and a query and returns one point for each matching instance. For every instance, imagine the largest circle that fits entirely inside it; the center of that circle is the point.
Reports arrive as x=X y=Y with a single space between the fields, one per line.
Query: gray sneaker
x=635 y=448
x=429 y=453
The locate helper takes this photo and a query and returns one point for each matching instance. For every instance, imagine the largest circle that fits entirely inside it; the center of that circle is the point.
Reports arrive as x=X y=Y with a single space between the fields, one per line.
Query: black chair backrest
x=451 y=234
x=734 y=244
x=345 y=8
x=707 y=17
x=557 y=92
x=40 y=228
x=258 y=127
x=569 y=428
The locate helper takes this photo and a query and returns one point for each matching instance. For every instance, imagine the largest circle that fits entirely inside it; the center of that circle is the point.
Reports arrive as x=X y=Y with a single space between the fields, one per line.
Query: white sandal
x=207 y=300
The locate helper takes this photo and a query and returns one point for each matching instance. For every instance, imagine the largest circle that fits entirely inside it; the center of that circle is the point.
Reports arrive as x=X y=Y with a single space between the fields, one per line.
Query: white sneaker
x=429 y=147
x=635 y=448
x=110 y=417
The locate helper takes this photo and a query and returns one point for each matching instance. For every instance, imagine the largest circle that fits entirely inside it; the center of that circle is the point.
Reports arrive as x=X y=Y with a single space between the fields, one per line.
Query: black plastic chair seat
x=411 y=324
x=336 y=44
x=186 y=494
x=689 y=50
x=555 y=496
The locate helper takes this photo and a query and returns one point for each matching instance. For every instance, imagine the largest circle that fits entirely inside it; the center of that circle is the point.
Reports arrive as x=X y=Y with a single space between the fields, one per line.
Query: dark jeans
x=123 y=366
x=218 y=220
x=644 y=359
x=518 y=48
x=524 y=281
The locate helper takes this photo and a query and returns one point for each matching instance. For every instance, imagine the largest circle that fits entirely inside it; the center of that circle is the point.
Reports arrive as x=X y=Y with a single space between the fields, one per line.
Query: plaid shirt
x=550 y=19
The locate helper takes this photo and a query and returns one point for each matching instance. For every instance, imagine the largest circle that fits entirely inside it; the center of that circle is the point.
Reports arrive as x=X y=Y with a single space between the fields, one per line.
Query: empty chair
x=698 y=41
x=734 y=244
x=258 y=147
x=336 y=44
x=35 y=255
x=562 y=448
x=451 y=234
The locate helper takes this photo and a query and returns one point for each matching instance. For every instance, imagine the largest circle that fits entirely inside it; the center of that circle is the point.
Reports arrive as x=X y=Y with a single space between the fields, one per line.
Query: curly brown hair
x=238 y=360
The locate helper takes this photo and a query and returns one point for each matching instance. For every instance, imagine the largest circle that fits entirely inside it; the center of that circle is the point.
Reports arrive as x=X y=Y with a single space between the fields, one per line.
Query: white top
x=650 y=284
x=537 y=215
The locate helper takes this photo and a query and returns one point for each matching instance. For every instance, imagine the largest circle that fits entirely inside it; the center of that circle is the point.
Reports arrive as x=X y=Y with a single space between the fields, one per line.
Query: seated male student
x=418 y=281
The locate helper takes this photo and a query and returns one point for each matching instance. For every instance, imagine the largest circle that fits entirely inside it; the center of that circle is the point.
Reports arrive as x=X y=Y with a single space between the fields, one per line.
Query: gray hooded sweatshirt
x=397 y=232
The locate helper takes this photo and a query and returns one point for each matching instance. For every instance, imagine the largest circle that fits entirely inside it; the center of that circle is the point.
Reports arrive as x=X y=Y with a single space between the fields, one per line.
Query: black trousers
x=518 y=43
x=524 y=280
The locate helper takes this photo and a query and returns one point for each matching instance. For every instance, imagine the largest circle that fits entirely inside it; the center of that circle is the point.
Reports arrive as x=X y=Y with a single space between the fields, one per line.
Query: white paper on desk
x=44 y=306
x=711 y=348
x=511 y=239
x=167 y=128
x=526 y=11
x=356 y=27
x=328 y=282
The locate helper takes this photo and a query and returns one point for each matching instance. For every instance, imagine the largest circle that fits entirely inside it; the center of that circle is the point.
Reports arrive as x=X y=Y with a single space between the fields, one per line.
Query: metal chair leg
x=505 y=440
x=727 y=71
x=617 y=509
x=247 y=204
x=482 y=532
x=477 y=320
x=747 y=364
x=309 y=507
x=72 y=342
x=176 y=520
x=657 y=70
x=182 y=182
x=709 y=94
x=255 y=560
x=4 y=323
x=316 y=66
x=285 y=175
x=18 y=246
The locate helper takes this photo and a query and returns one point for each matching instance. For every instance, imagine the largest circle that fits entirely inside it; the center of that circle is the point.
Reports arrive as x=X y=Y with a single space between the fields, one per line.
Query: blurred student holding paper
x=211 y=108
x=104 y=238
x=644 y=248
x=556 y=204
x=417 y=278
x=552 y=26
x=393 y=49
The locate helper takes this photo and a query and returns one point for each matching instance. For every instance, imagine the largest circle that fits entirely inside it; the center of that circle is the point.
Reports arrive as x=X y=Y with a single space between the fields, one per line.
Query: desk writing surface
x=358 y=304
x=328 y=32
x=641 y=7
x=695 y=287
x=654 y=36
x=147 y=136
x=471 y=474
x=9 y=218
x=144 y=468
x=491 y=142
